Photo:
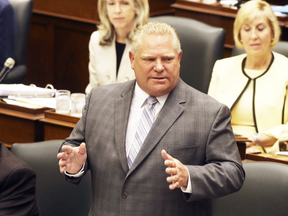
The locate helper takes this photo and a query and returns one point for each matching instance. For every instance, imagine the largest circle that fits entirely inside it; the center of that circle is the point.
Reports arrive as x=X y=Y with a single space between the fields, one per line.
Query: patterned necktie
x=144 y=126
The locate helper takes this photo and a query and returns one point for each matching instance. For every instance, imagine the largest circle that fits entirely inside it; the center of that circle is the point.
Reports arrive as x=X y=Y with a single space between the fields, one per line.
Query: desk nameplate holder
x=58 y=126
x=60 y=119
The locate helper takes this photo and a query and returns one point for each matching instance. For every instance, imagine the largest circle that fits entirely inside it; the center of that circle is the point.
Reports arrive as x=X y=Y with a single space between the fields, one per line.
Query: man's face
x=156 y=65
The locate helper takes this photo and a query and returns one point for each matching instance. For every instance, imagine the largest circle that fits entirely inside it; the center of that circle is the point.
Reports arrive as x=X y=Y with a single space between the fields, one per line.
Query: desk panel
x=58 y=126
x=268 y=157
x=19 y=124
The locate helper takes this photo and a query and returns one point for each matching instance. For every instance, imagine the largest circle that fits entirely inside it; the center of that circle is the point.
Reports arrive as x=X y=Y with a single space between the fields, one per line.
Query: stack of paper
x=31 y=102
x=21 y=90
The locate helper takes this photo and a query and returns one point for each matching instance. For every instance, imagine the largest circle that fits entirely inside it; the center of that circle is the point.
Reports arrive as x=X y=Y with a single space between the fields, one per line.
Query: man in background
x=17 y=186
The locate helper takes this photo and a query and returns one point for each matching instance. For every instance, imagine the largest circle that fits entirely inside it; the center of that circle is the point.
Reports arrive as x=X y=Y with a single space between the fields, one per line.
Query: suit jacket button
x=124 y=195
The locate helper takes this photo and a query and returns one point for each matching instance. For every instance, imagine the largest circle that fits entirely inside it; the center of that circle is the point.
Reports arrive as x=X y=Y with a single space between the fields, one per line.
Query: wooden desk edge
x=267 y=157
x=216 y=9
x=20 y=114
x=58 y=122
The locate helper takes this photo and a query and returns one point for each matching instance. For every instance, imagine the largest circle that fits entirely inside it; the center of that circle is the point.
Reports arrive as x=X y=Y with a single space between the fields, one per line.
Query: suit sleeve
x=18 y=193
x=222 y=173
x=75 y=139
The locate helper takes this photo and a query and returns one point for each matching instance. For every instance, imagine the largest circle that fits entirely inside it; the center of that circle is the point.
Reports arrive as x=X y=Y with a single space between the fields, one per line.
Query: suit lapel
x=169 y=113
x=122 y=110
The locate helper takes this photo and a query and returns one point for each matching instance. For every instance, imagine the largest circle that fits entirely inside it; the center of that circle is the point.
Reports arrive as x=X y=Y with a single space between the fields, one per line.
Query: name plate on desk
x=58 y=126
x=52 y=115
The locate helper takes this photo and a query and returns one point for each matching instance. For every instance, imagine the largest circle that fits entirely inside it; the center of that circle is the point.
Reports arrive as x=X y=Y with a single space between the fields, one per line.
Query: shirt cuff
x=79 y=174
x=187 y=189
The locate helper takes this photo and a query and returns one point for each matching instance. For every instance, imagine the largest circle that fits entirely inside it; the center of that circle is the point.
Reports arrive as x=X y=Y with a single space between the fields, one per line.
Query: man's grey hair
x=154 y=28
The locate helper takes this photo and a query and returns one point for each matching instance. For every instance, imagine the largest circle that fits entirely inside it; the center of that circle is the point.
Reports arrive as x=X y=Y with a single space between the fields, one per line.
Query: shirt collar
x=142 y=96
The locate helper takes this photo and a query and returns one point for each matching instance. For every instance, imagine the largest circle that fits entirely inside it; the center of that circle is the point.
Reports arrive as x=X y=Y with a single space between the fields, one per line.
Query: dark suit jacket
x=17 y=186
x=7 y=31
x=192 y=127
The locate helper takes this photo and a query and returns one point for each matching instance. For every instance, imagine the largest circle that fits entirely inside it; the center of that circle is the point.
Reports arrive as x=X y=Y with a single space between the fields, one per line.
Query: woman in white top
x=253 y=85
x=109 y=46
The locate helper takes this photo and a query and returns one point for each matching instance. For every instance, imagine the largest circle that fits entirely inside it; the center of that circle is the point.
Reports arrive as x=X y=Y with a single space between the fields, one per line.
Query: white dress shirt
x=137 y=106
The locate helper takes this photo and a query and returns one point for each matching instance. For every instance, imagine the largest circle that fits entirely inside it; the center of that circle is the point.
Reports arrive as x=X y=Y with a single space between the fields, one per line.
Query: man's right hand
x=72 y=158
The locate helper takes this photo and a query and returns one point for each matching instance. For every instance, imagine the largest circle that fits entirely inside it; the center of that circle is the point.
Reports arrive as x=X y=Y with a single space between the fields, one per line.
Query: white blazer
x=103 y=63
x=228 y=81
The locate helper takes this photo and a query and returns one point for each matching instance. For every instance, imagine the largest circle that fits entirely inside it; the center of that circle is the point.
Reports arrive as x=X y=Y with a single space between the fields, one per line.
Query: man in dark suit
x=17 y=186
x=203 y=160
x=7 y=31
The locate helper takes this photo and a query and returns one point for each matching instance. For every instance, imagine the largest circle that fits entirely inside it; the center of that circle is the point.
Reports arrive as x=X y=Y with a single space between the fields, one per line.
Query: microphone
x=8 y=65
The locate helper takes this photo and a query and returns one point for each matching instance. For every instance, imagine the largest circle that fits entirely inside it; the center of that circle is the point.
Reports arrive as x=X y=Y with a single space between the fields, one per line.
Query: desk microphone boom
x=8 y=65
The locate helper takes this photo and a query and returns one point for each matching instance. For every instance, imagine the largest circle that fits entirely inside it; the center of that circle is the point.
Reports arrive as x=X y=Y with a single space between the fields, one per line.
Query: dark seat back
x=55 y=196
x=264 y=192
x=23 y=14
x=201 y=44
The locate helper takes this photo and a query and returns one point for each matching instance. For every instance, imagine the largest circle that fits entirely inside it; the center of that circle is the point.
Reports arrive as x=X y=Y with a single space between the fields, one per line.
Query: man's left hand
x=178 y=172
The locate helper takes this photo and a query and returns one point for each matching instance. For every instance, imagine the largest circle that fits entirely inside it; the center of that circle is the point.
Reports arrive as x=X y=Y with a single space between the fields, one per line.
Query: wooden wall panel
x=40 y=47
x=277 y=2
x=72 y=9
x=87 y=10
x=58 y=53
x=58 y=45
x=72 y=57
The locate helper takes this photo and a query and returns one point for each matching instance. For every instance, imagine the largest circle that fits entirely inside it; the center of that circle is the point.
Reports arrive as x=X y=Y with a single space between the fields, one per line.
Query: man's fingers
x=174 y=185
x=62 y=169
x=62 y=163
x=82 y=148
x=165 y=155
x=172 y=179
x=59 y=155
x=171 y=171
x=67 y=148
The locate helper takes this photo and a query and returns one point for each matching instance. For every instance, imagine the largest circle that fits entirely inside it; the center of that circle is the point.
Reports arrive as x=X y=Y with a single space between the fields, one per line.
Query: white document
x=21 y=90
x=282 y=153
x=32 y=102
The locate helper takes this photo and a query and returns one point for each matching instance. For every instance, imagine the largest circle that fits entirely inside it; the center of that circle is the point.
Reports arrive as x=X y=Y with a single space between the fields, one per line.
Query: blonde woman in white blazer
x=109 y=46
x=254 y=85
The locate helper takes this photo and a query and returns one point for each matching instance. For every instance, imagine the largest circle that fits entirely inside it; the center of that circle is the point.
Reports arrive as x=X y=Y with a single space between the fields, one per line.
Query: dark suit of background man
x=17 y=186
x=7 y=31
x=203 y=160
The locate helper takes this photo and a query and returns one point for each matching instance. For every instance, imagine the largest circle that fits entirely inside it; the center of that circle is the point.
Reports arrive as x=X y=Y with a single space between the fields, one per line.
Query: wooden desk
x=241 y=144
x=57 y=126
x=219 y=16
x=267 y=157
x=20 y=124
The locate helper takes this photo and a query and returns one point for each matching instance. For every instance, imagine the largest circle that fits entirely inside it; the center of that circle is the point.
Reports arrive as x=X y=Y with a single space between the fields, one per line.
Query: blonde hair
x=249 y=11
x=154 y=28
x=108 y=31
